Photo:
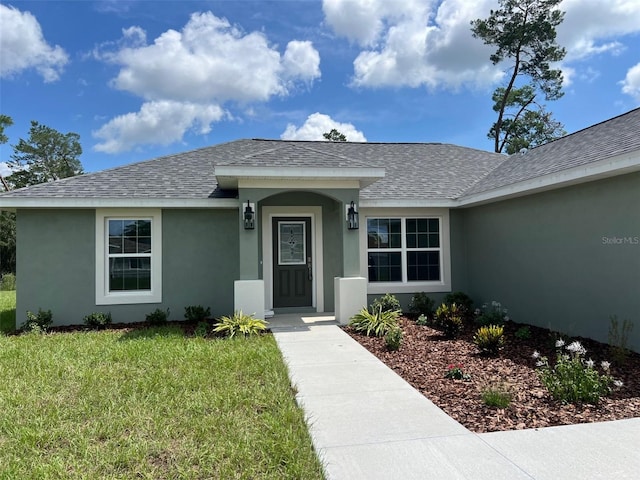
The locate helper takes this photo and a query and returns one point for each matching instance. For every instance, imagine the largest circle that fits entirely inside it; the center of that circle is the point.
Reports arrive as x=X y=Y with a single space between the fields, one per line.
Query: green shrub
x=573 y=379
x=455 y=372
x=393 y=338
x=523 y=333
x=421 y=304
x=489 y=339
x=448 y=318
x=97 y=320
x=492 y=314
x=239 y=322
x=422 y=320
x=201 y=330
x=38 y=322
x=387 y=303
x=496 y=396
x=8 y=282
x=462 y=300
x=376 y=323
x=196 y=313
x=157 y=317
x=619 y=339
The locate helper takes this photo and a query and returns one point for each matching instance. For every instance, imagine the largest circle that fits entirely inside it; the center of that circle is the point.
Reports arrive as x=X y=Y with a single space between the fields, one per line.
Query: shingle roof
x=413 y=171
x=602 y=141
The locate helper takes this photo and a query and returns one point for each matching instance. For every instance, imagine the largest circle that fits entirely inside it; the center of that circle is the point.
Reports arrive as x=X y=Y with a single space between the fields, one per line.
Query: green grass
x=149 y=404
x=7 y=311
x=496 y=396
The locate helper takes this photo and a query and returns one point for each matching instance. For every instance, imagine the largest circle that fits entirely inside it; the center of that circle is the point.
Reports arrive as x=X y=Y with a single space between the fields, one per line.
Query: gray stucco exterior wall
x=200 y=256
x=566 y=259
x=56 y=264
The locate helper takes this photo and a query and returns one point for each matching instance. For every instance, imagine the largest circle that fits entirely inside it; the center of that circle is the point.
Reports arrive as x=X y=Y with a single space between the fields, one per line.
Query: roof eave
x=13 y=203
x=610 y=167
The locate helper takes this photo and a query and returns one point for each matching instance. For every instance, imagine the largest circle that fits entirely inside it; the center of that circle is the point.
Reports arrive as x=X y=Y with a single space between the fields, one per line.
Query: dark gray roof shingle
x=602 y=141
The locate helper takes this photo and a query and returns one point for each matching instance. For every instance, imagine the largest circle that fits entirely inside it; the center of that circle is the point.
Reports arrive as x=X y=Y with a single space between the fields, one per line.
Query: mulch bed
x=425 y=356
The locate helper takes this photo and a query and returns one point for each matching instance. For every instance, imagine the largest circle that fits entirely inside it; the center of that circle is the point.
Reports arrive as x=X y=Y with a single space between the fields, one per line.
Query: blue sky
x=142 y=79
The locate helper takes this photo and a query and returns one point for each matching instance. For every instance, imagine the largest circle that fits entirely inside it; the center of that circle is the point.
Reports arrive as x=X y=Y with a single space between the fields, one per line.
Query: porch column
x=249 y=289
x=350 y=290
x=248 y=244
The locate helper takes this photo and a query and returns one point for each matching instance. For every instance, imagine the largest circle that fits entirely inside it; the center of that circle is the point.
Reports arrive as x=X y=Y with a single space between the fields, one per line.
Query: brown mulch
x=425 y=356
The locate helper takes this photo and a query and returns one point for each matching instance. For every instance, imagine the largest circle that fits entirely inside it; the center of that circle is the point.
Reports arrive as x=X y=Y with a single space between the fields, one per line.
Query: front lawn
x=7 y=311
x=149 y=403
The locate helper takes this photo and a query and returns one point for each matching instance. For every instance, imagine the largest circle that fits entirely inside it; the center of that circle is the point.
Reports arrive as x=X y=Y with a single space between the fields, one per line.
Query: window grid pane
x=423 y=265
x=423 y=233
x=385 y=267
x=129 y=255
x=384 y=232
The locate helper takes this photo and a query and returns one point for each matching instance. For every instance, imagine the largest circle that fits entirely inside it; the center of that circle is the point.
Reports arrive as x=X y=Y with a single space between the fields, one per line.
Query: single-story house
x=265 y=226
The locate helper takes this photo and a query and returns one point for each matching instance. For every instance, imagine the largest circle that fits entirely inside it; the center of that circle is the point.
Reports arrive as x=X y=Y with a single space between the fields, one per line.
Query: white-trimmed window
x=128 y=256
x=404 y=250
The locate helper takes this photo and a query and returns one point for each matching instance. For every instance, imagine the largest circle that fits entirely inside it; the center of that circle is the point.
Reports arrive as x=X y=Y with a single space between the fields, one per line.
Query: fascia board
x=11 y=203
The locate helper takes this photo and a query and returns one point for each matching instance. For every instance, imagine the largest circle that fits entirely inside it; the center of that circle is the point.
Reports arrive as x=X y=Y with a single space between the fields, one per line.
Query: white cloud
x=631 y=83
x=301 y=61
x=207 y=64
x=363 y=21
x=591 y=27
x=415 y=43
x=429 y=43
x=4 y=169
x=319 y=123
x=158 y=122
x=22 y=46
x=210 y=60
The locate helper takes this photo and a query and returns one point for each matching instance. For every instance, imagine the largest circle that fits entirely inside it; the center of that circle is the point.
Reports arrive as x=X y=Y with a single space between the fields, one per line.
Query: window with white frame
x=404 y=249
x=128 y=256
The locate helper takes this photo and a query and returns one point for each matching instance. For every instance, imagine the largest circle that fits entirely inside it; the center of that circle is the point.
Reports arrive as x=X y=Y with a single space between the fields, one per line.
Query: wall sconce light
x=249 y=216
x=352 y=217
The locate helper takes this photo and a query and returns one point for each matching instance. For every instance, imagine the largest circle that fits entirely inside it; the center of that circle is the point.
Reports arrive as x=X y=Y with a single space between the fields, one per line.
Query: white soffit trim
x=408 y=203
x=228 y=176
x=43 y=202
x=296 y=183
x=602 y=169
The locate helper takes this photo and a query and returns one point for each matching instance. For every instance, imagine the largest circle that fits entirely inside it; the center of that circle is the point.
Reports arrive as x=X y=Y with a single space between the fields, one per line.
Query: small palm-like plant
x=376 y=323
x=489 y=339
x=240 y=323
x=448 y=318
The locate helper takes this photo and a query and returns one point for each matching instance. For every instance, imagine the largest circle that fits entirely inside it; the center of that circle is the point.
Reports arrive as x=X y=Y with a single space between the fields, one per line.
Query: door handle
x=310 y=268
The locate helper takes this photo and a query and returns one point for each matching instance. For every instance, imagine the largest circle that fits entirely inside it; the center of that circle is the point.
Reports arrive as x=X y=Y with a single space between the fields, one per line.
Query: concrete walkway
x=368 y=423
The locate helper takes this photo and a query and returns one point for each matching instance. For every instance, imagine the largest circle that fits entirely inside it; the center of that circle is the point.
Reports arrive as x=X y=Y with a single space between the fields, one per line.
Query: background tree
x=47 y=155
x=335 y=136
x=524 y=32
x=7 y=219
x=5 y=121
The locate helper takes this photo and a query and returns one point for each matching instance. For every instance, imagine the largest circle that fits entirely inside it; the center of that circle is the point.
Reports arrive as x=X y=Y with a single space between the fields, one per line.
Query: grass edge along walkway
x=149 y=403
